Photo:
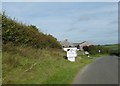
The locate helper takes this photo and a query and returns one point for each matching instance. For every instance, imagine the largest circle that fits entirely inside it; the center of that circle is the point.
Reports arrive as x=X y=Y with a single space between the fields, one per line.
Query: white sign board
x=71 y=54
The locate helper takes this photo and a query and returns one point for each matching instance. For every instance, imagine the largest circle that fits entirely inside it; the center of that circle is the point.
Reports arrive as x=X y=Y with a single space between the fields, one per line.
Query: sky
x=96 y=22
x=60 y=0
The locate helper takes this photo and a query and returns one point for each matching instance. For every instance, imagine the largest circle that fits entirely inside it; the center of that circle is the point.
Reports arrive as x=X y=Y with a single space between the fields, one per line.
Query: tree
x=86 y=48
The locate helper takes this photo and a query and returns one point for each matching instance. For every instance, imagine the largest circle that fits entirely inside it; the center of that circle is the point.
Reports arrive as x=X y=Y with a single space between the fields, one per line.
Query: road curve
x=103 y=70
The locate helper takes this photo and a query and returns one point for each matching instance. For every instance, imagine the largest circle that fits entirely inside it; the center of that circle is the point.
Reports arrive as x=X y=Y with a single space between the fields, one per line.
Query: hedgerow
x=25 y=35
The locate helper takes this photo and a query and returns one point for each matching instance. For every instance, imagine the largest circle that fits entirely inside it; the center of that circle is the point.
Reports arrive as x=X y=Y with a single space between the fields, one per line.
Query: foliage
x=36 y=66
x=114 y=49
x=105 y=49
x=86 y=48
x=94 y=49
x=25 y=35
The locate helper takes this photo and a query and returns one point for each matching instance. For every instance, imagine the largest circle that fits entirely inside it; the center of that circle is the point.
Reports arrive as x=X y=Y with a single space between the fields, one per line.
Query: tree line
x=102 y=49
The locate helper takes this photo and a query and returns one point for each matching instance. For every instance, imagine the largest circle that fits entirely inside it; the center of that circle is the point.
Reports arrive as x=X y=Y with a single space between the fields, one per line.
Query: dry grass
x=25 y=65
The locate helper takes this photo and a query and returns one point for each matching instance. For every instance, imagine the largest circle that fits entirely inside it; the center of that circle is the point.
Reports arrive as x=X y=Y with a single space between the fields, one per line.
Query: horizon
x=82 y=21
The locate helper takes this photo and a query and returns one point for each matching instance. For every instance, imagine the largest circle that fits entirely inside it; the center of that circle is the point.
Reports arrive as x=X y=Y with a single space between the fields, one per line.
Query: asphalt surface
x=102 y=70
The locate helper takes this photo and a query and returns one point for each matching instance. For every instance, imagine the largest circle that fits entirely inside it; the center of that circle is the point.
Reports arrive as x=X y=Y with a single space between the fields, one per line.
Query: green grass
x=0 y=67
x=113 y=49
x=35 y=66
x=112 y=46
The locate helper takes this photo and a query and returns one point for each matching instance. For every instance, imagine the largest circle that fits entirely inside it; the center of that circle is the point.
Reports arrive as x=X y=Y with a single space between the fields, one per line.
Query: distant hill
x=25 y=35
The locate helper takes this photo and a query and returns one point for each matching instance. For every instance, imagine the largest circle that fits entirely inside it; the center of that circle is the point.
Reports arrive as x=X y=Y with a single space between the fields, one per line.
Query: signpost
x=71 y=54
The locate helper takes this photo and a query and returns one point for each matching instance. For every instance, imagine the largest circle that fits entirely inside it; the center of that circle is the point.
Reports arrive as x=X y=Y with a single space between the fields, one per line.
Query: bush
x=115 y=52
x=26 y=35
x=95 y=50
x=104 y=50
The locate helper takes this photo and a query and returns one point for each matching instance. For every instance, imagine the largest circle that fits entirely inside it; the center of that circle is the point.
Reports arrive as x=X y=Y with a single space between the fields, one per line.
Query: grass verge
x=35 y=66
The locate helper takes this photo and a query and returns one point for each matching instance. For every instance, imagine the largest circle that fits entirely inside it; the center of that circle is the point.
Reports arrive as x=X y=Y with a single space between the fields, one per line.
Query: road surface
x=103 y=70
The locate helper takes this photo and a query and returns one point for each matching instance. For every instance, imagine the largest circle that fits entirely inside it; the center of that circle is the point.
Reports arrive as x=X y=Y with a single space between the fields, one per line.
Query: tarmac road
x=103 y=70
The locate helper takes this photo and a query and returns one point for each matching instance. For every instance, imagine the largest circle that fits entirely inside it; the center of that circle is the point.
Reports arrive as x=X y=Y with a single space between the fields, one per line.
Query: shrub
x=26 y=35
x=95 y=49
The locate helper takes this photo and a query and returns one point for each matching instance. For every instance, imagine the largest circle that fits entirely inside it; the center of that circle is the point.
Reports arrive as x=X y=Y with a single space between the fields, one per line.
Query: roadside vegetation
x=25 y=48
x=112 y=49
x=32 y=57
x=26 y=65
x=25 y=35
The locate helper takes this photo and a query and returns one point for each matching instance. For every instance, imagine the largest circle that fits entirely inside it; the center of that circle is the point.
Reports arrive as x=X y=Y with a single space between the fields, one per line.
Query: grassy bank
x=0 y=67
x=35 y=66
x=31 y=57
